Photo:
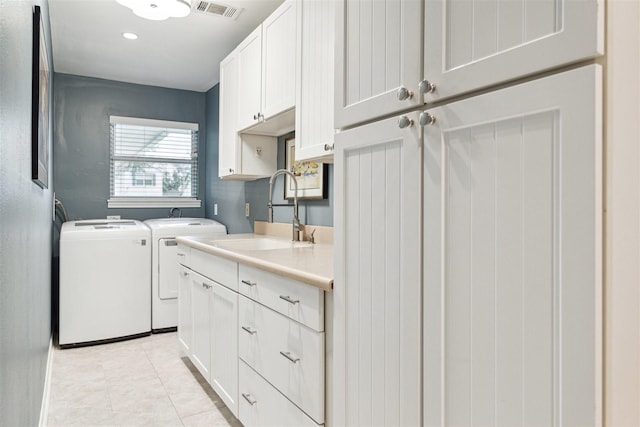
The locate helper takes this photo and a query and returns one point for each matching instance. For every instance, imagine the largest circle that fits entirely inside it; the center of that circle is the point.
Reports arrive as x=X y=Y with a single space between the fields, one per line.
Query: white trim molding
x=153 y=202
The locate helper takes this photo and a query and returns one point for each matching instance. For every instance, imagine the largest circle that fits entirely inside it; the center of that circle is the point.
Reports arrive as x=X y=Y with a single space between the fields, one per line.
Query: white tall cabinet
x=512 y=262
x=377 y=290
x=493 y=219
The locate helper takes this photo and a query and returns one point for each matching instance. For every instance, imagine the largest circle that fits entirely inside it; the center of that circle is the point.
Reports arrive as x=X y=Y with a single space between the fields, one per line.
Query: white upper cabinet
x=228 y=135
x=513 y=256
x=249 y=79
x=279 y=32
x=267 y=74
x=241 y=157
x=452 y=47
x=378 y=59
x=474 y=44
x=315 y=80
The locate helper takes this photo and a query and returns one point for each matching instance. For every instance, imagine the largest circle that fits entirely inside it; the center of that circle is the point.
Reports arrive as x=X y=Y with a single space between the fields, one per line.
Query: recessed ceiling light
x=130 y=36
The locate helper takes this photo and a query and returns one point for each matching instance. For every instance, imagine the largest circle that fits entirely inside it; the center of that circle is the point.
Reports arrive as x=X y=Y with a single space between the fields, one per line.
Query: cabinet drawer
x=299 y=301
x=218 y=269
x=184 y=255
x=288 y=354
x=262 y=405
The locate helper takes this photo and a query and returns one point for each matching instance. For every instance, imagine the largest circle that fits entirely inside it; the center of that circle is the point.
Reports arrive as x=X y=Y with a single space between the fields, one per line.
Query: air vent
x=216 y=9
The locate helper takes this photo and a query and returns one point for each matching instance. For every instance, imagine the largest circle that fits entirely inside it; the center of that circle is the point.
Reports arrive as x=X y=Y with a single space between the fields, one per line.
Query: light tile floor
x=141 y=382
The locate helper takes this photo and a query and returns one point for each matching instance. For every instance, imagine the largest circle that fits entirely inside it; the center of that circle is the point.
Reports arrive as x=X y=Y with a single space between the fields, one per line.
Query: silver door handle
x=404 y=93
x=288 y=356
x=249 y=399
x=288 y=299
x=426 y=86
x=248 y=283
x=204 y=285
x=426 y=119
x=249 y=330
x=405 y=122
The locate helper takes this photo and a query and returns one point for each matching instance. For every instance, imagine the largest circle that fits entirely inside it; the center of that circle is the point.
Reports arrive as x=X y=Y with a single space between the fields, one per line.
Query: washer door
x=167 y=268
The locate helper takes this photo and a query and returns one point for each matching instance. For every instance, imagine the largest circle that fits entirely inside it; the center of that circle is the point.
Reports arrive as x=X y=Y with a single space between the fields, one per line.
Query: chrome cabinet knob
x=426 y=86
x=426 y=119
x=328 y=147
x=405 y=122
x=230 y=170
x=404 y=93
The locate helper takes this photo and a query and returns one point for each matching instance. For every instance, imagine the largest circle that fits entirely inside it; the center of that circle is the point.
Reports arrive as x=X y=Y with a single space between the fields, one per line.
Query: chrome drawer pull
x=249 y=399
x=248 y=329
x=288 y=299
x=288 y=356
x=248 y=283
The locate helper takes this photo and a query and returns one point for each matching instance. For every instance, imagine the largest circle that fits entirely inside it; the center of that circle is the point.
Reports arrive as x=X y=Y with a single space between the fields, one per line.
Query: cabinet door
x=512 y=256
x=184 y=309
x=249 y=79
x=224 y=345
x=377 y=288
x=315 y=77
x=471 y=45
x=378 y=52
x=200 y=344
x=279 y=34
x=228 y=139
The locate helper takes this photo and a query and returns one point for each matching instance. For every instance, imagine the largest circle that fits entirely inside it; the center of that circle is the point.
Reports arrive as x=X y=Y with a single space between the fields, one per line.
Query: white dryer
x=105 y=279
x=164 y=255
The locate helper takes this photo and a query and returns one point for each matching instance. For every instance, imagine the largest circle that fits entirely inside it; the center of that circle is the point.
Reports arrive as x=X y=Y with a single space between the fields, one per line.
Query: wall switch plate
x=247 y=209
x=215 y=209
x=113 y=216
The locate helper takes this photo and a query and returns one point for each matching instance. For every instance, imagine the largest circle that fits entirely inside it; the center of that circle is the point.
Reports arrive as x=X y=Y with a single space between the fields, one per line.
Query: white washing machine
x=105 y=279
x=164 y=255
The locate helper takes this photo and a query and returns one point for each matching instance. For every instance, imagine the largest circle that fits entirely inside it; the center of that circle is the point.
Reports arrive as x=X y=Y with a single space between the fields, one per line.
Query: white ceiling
x=180 y=53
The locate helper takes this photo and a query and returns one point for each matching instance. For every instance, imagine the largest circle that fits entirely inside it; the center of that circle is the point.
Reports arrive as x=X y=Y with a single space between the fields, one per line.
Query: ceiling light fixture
x=130 y=36
x=158 y=10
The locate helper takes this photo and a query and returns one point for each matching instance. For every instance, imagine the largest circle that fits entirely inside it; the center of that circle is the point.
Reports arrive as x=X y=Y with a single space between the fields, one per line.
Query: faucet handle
x=311 y=238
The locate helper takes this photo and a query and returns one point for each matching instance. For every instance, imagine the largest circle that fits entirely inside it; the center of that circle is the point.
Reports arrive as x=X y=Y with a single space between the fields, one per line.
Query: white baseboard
x=44 y=409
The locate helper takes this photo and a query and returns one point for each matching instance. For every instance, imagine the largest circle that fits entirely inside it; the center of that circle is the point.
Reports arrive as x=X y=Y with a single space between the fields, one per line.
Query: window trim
x=154 y=202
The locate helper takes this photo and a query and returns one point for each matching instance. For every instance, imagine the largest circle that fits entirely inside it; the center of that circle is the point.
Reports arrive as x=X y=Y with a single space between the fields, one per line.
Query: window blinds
x=153 y=158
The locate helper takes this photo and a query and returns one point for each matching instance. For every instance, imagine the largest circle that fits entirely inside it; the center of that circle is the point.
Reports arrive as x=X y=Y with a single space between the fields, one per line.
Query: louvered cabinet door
x=512 y=256
x=377 y=288
x=474 y=44
x=378 y=53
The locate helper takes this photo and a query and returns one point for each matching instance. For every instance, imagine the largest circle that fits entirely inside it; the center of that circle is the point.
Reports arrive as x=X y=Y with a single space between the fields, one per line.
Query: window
x=154 y=163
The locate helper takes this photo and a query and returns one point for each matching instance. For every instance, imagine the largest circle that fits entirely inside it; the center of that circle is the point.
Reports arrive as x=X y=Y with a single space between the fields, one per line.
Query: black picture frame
x=40 y=108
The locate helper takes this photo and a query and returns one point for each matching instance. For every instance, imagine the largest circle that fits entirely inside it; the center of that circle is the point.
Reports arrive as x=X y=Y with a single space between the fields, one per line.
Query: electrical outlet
x=215 y=209
x=247 y=209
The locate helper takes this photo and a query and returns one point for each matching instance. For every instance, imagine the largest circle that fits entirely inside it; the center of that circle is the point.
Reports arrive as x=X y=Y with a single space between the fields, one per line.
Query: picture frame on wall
x=310 y=175
x=40 y=108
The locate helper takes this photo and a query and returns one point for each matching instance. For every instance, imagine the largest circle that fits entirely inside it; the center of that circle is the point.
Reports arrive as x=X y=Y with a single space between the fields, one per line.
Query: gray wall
x=25 y=228
x=231 y=196
x=82 y=106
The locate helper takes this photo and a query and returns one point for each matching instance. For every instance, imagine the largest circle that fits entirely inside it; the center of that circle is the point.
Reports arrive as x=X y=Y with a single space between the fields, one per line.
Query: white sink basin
x=259 y=244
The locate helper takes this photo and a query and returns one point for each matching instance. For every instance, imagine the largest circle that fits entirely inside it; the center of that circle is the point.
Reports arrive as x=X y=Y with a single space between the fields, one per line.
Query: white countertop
x=312 y=265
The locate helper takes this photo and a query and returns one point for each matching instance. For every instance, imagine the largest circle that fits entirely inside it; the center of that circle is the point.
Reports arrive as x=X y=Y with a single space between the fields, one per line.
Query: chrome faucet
x=297 y=227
